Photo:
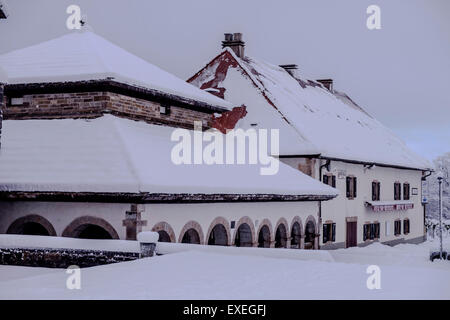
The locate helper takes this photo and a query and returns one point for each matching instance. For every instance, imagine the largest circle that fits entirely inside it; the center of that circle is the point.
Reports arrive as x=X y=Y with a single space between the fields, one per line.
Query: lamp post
x=440 y=178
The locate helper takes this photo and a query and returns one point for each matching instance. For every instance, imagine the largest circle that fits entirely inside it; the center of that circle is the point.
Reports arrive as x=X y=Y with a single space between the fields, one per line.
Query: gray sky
x=400 y=74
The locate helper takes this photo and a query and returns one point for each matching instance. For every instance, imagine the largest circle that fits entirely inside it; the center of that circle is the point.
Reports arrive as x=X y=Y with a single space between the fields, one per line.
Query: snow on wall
x=84 y=55
x=111 y=154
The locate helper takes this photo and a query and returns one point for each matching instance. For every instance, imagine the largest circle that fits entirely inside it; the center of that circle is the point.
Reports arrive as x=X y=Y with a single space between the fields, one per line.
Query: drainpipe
x=326 y=165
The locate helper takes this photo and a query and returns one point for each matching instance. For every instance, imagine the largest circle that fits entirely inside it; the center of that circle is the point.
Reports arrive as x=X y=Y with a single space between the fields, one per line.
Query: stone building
x=86 y=152
x=326 y=135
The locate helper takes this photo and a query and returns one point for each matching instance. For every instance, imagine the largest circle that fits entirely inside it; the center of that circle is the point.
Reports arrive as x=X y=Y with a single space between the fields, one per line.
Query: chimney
x=327 y=83
x=235 y=43
x=290 y=68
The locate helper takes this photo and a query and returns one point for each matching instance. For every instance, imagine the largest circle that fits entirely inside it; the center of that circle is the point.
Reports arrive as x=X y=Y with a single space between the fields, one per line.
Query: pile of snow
x=80 y=56
x=39 y=242
x=148 y=237
x=111 y=154
x=203 y=275
x=316 y=255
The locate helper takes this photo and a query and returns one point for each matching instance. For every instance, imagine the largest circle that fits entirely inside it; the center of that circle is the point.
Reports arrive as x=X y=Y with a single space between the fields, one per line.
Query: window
x=16 y=101
x=329 y=179
x=375 y=191
x=406 y=226
x=406 y=191
x=164 y=109
x=329 y=232
x=397 y=227
x=397 y=191
x=351 y=187
x=371 y=231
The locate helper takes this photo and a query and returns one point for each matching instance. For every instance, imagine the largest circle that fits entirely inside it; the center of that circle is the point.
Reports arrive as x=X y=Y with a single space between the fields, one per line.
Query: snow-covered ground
x=406 y=273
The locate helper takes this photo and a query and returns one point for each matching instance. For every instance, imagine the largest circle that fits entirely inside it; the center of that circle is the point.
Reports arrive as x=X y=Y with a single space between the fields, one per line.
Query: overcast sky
x=399 y=74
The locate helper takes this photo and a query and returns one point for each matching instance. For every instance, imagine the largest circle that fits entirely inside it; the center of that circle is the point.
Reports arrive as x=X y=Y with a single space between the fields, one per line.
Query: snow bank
x=25 y=241
x=316 y=255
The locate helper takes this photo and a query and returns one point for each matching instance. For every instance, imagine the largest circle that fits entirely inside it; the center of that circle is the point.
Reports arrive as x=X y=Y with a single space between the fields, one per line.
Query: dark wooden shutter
x=333 y=181
x=333 y=232
x=377 y=230
x=365 y=232
x=325 y=179
x=354 y=187
x=395 y=191
x=325 y=233
x=372 y=231
x=374 y=187
x=378 y=190
x=347 y=183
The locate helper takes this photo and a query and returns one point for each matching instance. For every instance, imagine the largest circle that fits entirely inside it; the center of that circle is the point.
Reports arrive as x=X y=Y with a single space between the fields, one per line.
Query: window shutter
x=325 y=233
x=333 y=181
x=365 y=232
x=347 y=182
x=325 y=179
x=372 y=231
x=378 y=190
x=354 y=187
x=374 y=185
x=377 y=230
x=395 y=191
x=333 y=232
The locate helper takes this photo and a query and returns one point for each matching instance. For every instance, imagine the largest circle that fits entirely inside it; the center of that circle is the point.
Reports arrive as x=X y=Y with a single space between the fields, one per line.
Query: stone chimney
x=290 y=68
x=327 y=83
x=235 y=43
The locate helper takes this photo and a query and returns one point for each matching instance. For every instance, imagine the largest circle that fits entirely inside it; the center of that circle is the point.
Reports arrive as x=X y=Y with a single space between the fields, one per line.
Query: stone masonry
x=95 y=104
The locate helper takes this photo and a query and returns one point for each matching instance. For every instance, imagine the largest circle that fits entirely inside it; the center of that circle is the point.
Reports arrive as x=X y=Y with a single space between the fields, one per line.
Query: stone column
x=272 y=244
x=133 y=221
x=316 y=241
x=302 y=242
x=288 y=242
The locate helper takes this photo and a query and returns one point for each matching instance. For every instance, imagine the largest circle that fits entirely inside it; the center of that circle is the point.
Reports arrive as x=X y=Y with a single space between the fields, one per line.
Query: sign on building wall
x=425 y=191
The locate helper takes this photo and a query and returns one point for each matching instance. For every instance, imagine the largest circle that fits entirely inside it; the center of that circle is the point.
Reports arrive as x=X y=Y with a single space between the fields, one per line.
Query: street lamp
x=440 y=177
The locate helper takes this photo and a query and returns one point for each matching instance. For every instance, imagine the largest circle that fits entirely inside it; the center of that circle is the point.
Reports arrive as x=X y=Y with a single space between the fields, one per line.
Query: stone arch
x=265 y=236
x=282 y=234
x=296 y=233
x=249 y=235
x=192 y=226
x=165 y=230
x=311 y=233
x=32 y=224
x=215 y=227
x=90 y=227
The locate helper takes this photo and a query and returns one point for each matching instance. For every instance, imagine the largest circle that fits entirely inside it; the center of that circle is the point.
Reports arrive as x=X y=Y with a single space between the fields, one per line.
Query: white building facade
x=325 y=134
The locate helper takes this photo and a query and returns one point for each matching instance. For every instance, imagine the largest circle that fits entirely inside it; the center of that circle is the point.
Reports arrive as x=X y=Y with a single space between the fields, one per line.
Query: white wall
x=61 y=214
x=341 y=207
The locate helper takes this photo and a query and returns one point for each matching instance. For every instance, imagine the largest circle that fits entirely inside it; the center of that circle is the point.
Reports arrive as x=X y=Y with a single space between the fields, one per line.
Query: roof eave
x=110 y=86
x=145 y=197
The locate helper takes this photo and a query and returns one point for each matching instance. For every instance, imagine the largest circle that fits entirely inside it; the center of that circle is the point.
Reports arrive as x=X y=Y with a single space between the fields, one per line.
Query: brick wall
x=94 y=104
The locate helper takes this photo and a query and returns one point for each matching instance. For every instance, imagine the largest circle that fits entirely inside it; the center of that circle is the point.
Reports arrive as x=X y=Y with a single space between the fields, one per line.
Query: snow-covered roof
x=111 y=154
x=83 y=55
x=329 y=122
